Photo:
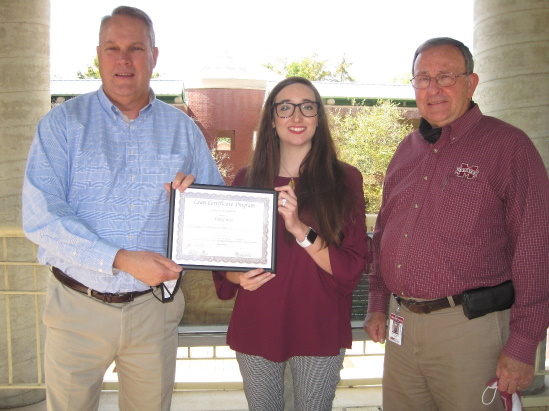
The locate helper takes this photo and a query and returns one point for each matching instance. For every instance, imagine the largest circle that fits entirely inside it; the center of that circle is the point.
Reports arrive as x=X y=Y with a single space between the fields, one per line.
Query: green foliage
x=341 y=73
x=313 y=69
x=403 y=78
x=367 y=137
x=93 y=71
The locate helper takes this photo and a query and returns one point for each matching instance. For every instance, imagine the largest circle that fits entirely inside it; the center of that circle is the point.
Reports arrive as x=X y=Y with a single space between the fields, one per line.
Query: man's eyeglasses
x=443 y=80
x=285 y=110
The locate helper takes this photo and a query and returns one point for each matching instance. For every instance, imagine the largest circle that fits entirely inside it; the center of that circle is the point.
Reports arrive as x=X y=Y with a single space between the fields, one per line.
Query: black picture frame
x=223 y=228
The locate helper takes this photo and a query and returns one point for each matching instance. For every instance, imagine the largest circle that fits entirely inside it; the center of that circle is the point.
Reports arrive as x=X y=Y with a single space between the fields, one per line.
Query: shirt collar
x=110 y=107
x=431 y=135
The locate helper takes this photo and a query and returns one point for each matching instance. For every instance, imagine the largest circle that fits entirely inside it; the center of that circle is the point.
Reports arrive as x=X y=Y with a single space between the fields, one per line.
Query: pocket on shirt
x=468 y=203
x=165 y=166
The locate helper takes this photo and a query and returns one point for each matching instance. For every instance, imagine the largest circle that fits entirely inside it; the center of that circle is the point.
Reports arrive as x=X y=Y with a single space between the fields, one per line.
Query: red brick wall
x=227 y=109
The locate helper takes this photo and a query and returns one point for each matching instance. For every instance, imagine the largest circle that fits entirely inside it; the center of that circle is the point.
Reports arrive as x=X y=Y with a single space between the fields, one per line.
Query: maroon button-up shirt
x=469 y=211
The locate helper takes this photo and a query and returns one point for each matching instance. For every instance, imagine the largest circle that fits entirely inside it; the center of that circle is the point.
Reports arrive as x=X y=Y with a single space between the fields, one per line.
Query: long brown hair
x=322 y=191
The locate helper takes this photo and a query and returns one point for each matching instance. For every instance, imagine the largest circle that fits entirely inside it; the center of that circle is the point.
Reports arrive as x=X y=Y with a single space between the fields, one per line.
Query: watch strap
x=309 y=238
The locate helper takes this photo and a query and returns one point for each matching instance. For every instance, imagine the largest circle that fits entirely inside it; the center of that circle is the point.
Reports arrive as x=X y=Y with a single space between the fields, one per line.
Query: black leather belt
x=105 y=297
x=425 y=307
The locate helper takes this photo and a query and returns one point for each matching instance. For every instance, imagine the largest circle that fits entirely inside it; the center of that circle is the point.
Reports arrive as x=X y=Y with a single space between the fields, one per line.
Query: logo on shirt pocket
x=466 y=171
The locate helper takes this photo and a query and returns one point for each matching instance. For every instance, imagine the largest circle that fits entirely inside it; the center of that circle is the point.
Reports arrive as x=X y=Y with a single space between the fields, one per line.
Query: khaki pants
x=84 y=336
x=445 y=361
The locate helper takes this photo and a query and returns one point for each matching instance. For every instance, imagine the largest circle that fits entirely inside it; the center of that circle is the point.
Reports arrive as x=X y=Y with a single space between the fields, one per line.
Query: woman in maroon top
x=300 y=314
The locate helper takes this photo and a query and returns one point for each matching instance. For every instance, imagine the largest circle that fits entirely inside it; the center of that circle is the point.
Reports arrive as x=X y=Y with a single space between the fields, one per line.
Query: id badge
x=396 y=324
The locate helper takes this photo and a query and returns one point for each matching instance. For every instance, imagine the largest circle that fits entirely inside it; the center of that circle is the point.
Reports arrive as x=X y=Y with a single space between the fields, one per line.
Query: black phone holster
x=485 y=300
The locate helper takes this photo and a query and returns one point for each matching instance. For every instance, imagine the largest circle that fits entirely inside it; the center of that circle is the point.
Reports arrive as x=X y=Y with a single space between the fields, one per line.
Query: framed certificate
x=223 y=228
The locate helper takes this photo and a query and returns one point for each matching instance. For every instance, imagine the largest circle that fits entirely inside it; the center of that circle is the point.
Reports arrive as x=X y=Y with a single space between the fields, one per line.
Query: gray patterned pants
x=314 y=381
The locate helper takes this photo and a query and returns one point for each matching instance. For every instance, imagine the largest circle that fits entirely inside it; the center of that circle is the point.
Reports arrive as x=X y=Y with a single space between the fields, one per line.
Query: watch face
x=311 y=236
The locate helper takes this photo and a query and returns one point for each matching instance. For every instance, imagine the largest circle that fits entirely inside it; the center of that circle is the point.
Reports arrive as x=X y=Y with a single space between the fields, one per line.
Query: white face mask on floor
x=510 y=402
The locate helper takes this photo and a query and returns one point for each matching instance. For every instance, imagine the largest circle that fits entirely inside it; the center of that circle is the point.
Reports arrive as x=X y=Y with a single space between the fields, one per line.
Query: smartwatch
x=309 y=238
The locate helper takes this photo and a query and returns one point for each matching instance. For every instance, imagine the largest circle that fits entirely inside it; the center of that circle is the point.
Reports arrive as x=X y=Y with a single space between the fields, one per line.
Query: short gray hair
x=444 y=41
x=130 y=12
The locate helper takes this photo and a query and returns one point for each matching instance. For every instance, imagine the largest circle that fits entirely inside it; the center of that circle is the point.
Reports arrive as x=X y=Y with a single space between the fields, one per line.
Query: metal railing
x=22 y=294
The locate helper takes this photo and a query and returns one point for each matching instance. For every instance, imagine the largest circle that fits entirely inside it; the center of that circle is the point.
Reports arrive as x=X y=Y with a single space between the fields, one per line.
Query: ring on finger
x=284 y=201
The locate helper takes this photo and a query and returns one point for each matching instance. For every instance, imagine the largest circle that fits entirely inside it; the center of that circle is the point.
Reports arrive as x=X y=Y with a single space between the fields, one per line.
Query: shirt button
x=416 y=206
x=132 y=152
x=426 y=178
x=405 y=235
x=435 y=150
x=131 y=206
x=399 y=266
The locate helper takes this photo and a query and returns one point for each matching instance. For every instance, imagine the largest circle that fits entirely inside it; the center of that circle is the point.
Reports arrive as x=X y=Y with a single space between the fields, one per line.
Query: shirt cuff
x=377 y=302
x=225 y=289
x=521 y=349
x=105 y=253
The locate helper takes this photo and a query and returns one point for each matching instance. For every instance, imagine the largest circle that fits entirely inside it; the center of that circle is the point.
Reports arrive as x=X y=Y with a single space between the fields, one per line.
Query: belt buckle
x=426 y=309
x=126 y=297
x=108 y=297
x=418 y=307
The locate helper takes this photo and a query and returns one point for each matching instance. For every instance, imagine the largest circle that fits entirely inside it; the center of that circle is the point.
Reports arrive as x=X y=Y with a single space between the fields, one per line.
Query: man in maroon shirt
x=465 y=207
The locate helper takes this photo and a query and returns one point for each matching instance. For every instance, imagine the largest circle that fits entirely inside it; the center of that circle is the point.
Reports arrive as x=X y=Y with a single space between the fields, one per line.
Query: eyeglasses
x=285 y=110
x=443 y=80
x=165 y=294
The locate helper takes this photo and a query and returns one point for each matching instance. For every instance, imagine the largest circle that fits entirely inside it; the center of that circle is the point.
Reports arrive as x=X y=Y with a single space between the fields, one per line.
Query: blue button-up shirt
x=94 y=184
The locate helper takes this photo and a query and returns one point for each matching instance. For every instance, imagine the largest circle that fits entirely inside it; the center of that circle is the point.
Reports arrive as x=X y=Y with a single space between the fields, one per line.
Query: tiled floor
x=355 y=399
x=347 y=399
x=226 y=370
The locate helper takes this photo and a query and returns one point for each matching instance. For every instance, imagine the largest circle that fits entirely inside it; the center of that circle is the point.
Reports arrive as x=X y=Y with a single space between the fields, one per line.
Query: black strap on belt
x=105 y=297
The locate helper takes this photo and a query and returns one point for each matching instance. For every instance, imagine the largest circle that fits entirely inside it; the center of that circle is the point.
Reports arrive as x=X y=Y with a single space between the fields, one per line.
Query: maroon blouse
x=303 y=310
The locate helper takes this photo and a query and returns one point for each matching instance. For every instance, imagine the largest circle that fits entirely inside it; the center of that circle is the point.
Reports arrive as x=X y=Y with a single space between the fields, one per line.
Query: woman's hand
x=288 y=209
x=180 y=182
x=252 y=279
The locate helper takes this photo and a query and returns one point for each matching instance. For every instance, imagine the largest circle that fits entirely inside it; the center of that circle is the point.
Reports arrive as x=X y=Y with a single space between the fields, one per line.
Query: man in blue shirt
x=94 y=202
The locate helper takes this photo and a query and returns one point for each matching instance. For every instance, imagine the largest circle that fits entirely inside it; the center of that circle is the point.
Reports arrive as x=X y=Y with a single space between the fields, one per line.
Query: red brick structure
x=227 y=115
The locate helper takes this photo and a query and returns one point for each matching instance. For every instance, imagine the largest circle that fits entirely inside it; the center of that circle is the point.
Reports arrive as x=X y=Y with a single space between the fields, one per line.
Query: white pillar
x=25 y=92
x=511 y=52
x=24 y=99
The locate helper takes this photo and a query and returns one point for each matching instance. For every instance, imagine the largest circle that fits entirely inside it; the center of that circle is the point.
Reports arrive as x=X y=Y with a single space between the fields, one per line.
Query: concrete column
x=511 y=51
x=24 y=99
x=25 y=92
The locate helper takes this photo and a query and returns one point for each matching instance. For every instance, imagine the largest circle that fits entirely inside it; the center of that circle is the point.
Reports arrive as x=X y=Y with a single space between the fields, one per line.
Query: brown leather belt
x=425 y=307
x=105 y=297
